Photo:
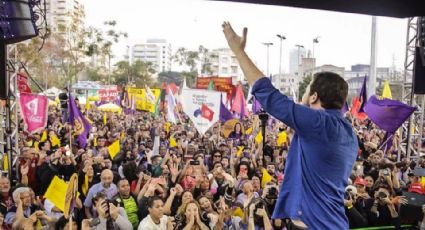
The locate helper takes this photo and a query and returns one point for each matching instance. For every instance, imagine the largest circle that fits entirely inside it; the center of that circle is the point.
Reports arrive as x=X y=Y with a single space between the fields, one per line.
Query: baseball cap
x=360 y=181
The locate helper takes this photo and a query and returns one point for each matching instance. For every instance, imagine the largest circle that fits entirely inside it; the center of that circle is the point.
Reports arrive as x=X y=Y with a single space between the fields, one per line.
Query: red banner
x=34 y=111
x=223 y=84
x=23 y=83
x=108 y=94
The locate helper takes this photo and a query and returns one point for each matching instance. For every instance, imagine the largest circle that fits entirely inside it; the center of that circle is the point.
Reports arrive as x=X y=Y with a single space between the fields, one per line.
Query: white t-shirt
x=148 y=224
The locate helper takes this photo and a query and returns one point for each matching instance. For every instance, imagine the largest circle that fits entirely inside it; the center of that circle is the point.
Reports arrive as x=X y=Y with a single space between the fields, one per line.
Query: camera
x=272 y=193
x=382 y=195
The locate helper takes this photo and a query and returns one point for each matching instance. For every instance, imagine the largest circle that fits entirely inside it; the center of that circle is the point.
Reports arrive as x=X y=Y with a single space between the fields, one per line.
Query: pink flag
x=34 y=111
x=238 y=104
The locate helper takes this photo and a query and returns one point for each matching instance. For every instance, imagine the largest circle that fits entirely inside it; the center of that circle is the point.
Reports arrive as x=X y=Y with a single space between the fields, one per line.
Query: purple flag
x=387 y=114
x=79 y=123
x=363 y=96
x=225 y=114
x=256 y=106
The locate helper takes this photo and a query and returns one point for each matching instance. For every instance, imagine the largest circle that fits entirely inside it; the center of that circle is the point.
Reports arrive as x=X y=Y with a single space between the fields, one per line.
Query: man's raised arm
x=237 y=45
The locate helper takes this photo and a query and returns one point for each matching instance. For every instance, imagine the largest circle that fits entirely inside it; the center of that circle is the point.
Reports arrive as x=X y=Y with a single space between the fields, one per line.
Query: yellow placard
x=55 y=193
x=140 y=100
x=114 y=149
x=71 y=193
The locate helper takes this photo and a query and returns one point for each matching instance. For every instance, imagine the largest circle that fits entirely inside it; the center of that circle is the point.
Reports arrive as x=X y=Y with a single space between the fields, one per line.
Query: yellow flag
x=240 y=150
x=87 y=104
x=43 y=136
x=36 y=146
x=266 y=178
x=423 y=181
x=248 y=131
x=386 y=92
x=173 y=142
x=259 y=138
x=55 y=141
x=114 y=149
x=95 y=142
x=281 y=139
x=105 y=119
x=5 y=162
x=167 y=126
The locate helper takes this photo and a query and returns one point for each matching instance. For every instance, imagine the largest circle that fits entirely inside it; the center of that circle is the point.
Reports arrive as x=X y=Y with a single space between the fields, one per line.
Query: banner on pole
x=34 y=111
x=223 y=84
x=109 y=93
x=202 y=107
x=142 y=100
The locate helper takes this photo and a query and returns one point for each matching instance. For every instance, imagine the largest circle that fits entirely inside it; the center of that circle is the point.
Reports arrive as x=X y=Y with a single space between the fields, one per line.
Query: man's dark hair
x=152 y=200
x=331 y=89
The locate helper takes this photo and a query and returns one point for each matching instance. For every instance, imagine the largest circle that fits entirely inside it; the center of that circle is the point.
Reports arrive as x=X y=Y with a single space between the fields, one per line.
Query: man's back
x=319 y=162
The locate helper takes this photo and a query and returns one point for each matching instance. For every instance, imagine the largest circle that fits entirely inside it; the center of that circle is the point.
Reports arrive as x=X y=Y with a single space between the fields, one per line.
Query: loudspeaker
x=419 y=75
x=17 y=21
x=412 y=212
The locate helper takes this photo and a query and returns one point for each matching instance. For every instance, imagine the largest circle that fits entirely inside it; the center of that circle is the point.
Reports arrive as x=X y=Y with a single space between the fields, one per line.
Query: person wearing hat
x=363 y=201
x=355 y=218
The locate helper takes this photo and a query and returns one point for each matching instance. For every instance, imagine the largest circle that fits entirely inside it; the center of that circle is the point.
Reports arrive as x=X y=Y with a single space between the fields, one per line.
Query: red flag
x=206 y=112
x=355 y=107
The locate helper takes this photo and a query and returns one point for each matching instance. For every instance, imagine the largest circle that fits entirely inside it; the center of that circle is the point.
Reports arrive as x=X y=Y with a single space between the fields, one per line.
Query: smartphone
x=94 y=222
x=194 y=162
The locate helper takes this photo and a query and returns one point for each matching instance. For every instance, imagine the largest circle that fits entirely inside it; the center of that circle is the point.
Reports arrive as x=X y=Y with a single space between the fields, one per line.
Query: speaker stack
x=419 y=76
x=17 y=23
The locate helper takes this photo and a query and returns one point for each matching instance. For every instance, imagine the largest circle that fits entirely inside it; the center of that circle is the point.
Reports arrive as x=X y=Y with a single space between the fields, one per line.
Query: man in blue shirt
x=323 y=150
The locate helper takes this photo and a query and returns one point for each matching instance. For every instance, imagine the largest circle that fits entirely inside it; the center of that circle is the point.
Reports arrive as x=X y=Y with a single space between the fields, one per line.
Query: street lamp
x=315 y=40
x=268 y=44
x=281 y=38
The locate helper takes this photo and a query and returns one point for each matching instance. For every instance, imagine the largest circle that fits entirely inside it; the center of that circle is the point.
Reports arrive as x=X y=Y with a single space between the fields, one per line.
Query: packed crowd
x=167 y=176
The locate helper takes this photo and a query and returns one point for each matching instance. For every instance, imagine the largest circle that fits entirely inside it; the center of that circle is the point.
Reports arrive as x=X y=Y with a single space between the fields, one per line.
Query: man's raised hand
x=236 y=43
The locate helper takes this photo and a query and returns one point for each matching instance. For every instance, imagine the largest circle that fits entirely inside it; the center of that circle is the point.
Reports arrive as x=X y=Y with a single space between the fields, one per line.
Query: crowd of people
x=167 y=176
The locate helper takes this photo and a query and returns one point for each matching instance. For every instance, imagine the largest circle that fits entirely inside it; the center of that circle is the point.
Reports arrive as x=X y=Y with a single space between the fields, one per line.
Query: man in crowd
x=106 y=186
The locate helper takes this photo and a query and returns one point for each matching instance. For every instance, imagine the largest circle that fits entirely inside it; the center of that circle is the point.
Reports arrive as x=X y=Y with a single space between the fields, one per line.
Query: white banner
x=202 y=107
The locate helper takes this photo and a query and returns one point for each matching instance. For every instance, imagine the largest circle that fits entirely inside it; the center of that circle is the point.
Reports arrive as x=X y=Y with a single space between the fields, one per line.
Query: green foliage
x=140 y=73
x=303 y=85
x=170 y=77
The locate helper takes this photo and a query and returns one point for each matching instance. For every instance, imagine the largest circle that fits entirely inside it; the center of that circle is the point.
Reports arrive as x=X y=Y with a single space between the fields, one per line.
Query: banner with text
x=141 y=99
x=202 y=107
x=34 y=111
x=222 y=84
x=109 y=93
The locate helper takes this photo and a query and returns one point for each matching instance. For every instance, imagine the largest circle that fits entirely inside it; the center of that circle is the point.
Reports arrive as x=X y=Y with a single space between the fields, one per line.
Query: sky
x=344 y=38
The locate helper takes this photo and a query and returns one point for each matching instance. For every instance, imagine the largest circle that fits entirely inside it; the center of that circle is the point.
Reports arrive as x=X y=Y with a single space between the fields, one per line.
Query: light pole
x=298 y=60
x=268 y=44
x=315 y=40
x=281 y=38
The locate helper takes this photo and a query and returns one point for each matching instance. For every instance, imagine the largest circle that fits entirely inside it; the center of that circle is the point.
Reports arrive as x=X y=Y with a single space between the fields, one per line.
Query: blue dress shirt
x=320 y=160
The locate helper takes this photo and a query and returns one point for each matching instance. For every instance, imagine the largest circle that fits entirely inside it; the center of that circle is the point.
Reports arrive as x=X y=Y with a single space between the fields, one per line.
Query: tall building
x=224 y=64
x=307 y=64
x=156 y=51
x=285 y=83
x=325 y=68
x=295 y=59
x=62 y=14
x=361 y=70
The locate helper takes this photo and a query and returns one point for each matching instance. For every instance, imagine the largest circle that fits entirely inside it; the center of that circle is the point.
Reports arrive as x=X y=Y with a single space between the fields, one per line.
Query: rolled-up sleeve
x=302 y=119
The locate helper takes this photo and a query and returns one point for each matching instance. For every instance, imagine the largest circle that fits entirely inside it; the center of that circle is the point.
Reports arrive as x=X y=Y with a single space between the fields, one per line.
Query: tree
x=303 y=86
x=170 y=77
x=139 y=72
x=205 y=58
x=99 y=43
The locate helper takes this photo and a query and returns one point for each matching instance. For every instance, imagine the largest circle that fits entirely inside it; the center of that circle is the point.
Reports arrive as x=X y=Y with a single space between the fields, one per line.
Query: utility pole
x=281 y=38
x=268 y=44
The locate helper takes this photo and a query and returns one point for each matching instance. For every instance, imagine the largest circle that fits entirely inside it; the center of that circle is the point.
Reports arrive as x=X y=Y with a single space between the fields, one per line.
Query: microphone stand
x=264 y=117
